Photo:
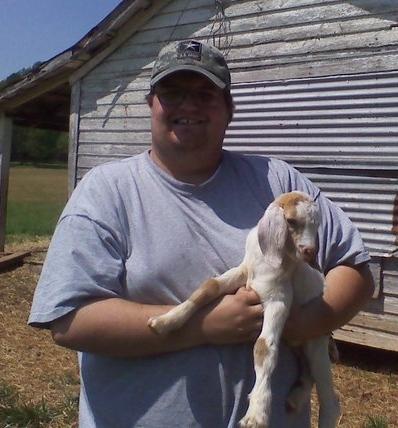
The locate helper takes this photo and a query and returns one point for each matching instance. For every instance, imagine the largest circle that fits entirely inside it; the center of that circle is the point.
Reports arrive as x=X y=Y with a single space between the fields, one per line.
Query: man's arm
x=118 y=328
x=346 y=292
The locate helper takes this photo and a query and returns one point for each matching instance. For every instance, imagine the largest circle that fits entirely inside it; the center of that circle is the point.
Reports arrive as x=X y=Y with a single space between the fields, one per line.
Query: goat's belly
x=269 y=288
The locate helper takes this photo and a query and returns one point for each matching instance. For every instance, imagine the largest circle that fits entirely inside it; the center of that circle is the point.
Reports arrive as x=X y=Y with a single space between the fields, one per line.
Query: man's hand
x=234 y=318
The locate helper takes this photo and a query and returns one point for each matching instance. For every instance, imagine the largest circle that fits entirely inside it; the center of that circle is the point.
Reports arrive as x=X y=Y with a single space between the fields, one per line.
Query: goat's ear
x=272 y=234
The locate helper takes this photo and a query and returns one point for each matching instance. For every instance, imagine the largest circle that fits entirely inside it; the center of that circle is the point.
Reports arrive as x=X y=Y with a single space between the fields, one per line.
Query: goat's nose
x=308 y=253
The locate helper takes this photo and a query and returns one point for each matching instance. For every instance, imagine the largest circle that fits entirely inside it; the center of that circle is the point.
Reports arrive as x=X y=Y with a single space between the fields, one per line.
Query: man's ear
x=272 y=234
x=149 y=99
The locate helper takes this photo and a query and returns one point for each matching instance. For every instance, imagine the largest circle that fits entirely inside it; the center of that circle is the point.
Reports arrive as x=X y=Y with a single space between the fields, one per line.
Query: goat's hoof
x=291 y=406
x=330 y=417
x=159 y=325
x=252 y=422
x=296 y=399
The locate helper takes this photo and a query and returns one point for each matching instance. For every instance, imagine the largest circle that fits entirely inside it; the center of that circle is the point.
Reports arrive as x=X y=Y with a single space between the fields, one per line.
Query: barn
x=315 y=83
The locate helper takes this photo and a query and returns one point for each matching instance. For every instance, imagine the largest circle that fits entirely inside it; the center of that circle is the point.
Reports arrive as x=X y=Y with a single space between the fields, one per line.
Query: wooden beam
x=73 y=135
x=370 y=329
x=11 y=260
x=5 y=152
x=141 y=11
x=34 y=89
x=367 y=337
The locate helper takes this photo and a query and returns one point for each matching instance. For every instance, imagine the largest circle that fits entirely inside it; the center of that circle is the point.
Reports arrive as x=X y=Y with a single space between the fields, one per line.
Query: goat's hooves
x=296 y=399
x=330 y=418
x=291 y=406
x=252 y=422
x=158 y=325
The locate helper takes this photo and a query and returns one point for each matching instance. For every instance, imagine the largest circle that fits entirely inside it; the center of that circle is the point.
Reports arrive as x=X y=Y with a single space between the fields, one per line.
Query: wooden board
x=13 y=259
x=366 y=337
x=373 y=330
x=5 y=152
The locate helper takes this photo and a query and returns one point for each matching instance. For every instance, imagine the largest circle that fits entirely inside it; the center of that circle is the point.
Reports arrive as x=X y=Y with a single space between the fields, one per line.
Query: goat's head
x=288 y=229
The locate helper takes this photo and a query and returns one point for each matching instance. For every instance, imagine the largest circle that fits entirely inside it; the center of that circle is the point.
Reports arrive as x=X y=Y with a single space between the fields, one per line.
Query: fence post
x=5 y=152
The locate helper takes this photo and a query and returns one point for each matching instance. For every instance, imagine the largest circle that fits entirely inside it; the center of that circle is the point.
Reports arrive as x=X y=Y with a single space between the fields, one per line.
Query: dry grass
x=367 y=380
x=32 y=184
x=36 y=369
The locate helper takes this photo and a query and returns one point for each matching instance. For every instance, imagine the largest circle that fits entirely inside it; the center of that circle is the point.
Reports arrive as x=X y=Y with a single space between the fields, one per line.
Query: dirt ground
x=367 y=379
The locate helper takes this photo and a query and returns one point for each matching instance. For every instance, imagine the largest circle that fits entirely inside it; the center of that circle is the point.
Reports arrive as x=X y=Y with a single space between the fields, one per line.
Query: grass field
x=36 y=197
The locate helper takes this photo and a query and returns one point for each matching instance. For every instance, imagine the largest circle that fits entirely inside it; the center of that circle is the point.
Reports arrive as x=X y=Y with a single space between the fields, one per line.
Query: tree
x=38 y=145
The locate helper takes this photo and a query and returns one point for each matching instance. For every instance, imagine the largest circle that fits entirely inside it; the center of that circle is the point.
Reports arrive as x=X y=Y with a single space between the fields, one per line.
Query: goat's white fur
x=274 y=266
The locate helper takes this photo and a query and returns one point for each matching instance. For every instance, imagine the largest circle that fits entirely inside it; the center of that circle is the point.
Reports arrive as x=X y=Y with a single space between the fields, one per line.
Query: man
x=138 y=236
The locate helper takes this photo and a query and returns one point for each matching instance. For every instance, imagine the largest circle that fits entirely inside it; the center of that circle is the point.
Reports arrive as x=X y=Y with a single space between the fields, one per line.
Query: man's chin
x=188 y=144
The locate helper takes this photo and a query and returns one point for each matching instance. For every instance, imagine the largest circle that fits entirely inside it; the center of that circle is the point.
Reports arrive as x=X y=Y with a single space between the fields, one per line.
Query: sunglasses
x=173 y=97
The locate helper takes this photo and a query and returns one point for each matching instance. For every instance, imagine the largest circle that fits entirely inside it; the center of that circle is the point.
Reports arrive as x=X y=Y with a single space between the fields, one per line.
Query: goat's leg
x=265 y=358
x=317 y=353
x=208 y=291
x=301 y=390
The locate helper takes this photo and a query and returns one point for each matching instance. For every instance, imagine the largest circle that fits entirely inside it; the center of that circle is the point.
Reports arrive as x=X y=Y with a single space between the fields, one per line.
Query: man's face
x=189 y=113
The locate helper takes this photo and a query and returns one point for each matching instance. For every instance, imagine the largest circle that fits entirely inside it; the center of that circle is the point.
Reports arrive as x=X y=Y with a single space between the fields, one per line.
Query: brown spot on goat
x=289 y=201
x=206 y=293
x=260 y=351
x=295 y=220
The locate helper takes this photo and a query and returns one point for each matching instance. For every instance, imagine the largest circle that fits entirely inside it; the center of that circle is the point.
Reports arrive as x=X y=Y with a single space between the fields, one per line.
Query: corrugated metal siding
x=335 y=122
x=344 y=126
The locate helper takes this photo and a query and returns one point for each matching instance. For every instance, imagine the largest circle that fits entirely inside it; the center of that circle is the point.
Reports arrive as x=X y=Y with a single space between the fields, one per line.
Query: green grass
x=36 y=197
x=376 y=422
x=32 y=219
x=16 y=413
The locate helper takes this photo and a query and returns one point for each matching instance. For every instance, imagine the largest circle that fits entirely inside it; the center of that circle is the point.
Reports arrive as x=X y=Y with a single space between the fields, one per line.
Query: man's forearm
x=118 y=328
x=347 y=290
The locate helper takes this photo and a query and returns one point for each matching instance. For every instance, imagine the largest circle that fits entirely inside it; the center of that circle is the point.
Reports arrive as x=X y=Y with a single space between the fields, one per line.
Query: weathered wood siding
x=315 y=83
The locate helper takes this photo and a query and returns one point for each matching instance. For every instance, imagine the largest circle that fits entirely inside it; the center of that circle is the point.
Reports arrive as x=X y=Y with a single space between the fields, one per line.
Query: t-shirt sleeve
x=85 y=259
x=83 y=262
x=339 y=241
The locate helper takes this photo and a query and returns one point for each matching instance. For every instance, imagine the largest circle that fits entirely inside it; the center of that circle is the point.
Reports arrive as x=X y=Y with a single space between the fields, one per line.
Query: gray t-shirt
x=132 y=231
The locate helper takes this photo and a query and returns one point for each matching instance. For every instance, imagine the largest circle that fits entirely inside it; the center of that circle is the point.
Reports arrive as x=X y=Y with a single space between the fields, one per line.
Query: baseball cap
x=191 y=55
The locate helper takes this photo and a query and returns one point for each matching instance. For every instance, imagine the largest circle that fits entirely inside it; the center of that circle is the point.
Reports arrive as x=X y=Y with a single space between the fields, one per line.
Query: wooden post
x=73 y=136
x=5 y=152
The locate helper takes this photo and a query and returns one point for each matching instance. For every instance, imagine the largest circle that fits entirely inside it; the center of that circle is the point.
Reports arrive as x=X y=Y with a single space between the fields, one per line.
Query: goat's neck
x=285 y=267
x=289 y=264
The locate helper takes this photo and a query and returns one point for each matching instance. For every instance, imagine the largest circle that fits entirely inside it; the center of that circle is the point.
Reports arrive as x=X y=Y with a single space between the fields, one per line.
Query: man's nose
x=189 y=99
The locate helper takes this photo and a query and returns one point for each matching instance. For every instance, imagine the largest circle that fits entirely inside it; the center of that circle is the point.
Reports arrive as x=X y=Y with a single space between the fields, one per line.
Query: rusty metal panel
x=341 y=131
x=330 y=122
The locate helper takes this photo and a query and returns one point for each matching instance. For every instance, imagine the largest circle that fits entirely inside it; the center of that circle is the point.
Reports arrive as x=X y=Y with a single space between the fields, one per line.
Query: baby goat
x=276 y=266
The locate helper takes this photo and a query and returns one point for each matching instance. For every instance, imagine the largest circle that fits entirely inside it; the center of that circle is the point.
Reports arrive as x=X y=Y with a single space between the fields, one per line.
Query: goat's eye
x=292 y=222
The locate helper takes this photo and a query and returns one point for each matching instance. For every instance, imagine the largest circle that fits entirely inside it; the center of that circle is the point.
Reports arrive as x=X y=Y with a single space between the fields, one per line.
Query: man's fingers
x=250 y=295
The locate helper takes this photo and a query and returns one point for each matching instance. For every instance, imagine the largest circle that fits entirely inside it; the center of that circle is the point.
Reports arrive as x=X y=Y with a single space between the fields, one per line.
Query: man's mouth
x=187 y=121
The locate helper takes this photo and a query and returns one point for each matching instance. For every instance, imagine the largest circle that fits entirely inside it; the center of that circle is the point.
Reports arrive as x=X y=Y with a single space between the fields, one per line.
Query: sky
x=37 y=30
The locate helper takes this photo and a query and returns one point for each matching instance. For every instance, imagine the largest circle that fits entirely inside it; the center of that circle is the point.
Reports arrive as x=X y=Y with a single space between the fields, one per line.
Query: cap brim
x=216 y=80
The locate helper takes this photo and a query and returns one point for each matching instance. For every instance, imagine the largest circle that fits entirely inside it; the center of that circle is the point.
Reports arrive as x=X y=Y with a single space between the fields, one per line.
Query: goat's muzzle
x=308 y=254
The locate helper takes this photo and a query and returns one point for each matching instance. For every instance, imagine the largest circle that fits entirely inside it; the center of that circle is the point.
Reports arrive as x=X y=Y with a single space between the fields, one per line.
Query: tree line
x=31 y=145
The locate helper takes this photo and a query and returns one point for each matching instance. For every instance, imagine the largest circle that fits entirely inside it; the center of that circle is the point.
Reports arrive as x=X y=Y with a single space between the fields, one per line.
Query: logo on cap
x=189 y=49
